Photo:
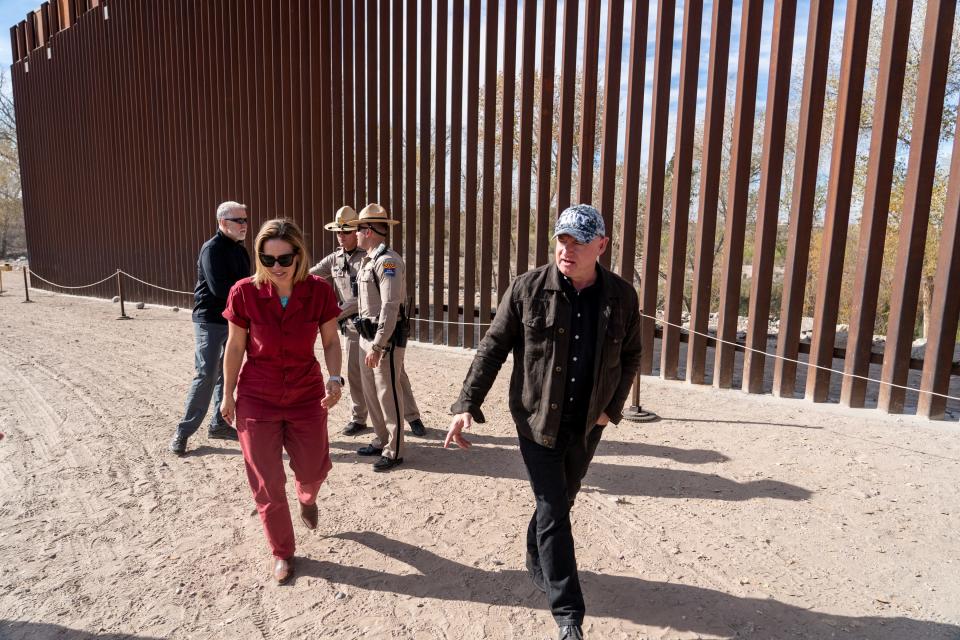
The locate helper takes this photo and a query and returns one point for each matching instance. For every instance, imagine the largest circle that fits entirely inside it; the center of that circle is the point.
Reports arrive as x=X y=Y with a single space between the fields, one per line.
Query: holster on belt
x=368 y=330
x=402 y=331
x=365 y=327
x=342 y=323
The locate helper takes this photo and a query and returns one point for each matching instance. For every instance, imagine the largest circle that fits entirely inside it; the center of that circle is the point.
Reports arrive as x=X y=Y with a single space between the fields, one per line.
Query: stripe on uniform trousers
x=396 y=403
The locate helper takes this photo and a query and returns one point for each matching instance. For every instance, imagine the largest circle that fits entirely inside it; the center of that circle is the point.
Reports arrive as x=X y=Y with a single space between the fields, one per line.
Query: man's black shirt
x=584 y=319
x=221 y=263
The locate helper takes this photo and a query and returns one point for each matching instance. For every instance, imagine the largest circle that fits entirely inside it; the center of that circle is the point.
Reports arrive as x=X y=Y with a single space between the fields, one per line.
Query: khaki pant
x=381 y=390
x=350 y=344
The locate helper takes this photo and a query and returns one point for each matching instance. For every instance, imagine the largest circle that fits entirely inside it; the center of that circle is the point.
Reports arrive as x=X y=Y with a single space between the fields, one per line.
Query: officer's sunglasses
x=237 y=220
x=285 y=260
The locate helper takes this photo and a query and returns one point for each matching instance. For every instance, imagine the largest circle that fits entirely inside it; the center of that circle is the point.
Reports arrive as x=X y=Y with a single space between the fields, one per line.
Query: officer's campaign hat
x=341 y=222
x=371 y=213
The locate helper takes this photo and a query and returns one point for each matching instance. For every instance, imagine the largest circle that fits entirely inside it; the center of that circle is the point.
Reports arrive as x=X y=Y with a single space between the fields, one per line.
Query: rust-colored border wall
x=135 y=118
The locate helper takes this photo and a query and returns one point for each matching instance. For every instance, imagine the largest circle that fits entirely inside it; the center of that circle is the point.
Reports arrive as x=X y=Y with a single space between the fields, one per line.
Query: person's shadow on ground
x=657 y=604
x=17 y=630
x=613 y=479
x=609 y=447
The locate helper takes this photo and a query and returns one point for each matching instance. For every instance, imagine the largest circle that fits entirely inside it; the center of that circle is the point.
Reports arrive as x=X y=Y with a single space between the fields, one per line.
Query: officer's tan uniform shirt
x=336 y=268
x=382 y=291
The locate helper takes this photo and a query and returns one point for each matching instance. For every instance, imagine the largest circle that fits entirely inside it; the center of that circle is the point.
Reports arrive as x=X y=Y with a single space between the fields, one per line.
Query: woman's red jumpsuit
x=278 y=397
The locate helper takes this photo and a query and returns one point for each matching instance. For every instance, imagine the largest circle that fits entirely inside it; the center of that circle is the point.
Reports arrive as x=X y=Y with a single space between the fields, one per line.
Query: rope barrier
x=794 y=360
x=462 y=324
x=155 y=286
x=33 y=274
x=719 y=340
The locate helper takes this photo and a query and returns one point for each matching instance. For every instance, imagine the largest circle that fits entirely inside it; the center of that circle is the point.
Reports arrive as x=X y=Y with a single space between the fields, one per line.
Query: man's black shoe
x=179 y=444
x=353 y=428
x=222 y=433
x=571 y=632
x=536 y=574
x=417 y=428
x=369 y=450
x=385 y=463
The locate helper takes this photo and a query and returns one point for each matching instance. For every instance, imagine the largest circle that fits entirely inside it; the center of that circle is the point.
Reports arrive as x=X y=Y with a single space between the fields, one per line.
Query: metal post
x=123 y=313
x=636 y=413
x=26 y=285
x=1 y=281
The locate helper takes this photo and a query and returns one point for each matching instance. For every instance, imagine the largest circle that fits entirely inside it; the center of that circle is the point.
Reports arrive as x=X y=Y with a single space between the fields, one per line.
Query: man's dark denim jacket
x=533 y=321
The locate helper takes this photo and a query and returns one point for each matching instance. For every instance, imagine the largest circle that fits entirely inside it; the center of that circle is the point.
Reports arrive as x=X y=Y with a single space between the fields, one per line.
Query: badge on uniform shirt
x=389 y=268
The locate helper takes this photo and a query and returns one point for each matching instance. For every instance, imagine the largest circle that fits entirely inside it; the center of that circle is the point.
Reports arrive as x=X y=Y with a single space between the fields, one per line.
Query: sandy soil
x=736 y=516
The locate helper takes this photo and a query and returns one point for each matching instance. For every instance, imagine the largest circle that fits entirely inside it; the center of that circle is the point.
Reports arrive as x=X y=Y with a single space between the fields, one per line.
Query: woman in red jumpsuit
x=281 y=398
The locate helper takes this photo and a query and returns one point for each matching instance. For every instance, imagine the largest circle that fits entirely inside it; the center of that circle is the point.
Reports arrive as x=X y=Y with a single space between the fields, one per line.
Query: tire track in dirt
x=182 y=556
x=39 y=519
x=99 y=391
x=123 y=471
x=208 y=467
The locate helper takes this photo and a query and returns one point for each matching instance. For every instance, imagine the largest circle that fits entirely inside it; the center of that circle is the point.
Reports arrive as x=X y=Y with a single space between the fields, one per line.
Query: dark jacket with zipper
x=533 y=322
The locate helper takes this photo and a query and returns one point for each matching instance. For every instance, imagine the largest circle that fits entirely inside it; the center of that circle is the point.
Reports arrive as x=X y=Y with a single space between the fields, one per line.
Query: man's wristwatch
x=377 y=348
x=337 y=379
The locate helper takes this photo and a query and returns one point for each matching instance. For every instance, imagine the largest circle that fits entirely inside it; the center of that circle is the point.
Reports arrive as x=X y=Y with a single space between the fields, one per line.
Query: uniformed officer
x=381 y=323
x=340 y=269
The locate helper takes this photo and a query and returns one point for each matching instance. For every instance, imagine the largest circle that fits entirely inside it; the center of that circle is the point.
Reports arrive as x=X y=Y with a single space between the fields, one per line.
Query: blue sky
x=12 y=12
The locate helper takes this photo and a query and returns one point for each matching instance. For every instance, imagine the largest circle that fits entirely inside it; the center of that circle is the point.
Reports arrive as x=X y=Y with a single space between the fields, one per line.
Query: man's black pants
x=555 y=476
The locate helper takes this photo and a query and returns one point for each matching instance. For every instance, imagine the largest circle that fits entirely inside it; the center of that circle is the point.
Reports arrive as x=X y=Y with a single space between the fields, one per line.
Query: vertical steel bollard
x=123 y=313
x=26 y=285
x=1 y=281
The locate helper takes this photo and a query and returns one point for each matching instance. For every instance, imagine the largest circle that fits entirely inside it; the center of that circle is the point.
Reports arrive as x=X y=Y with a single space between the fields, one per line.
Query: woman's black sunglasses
x=285 y=260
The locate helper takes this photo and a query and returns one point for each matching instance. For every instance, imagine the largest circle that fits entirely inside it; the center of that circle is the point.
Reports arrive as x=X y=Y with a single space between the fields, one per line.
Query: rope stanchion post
x=123 y=313
x=26 y=285
x=636 y=413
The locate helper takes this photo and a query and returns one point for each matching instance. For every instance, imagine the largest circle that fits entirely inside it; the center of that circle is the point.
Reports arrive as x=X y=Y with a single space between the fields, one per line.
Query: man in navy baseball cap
x=581 y=240
x=573 y=327
x=581 y=221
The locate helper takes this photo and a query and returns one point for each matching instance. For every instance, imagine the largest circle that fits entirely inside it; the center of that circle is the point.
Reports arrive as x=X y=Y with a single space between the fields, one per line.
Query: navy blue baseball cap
x=581 y=221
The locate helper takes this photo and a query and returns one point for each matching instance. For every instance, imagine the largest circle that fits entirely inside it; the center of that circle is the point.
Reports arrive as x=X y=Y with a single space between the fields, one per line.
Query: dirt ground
x=736 y=516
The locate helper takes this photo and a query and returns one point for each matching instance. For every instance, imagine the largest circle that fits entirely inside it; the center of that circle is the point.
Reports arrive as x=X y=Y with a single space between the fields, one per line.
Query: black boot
x=571 y=632
x=353 y=428
x=417 y=428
